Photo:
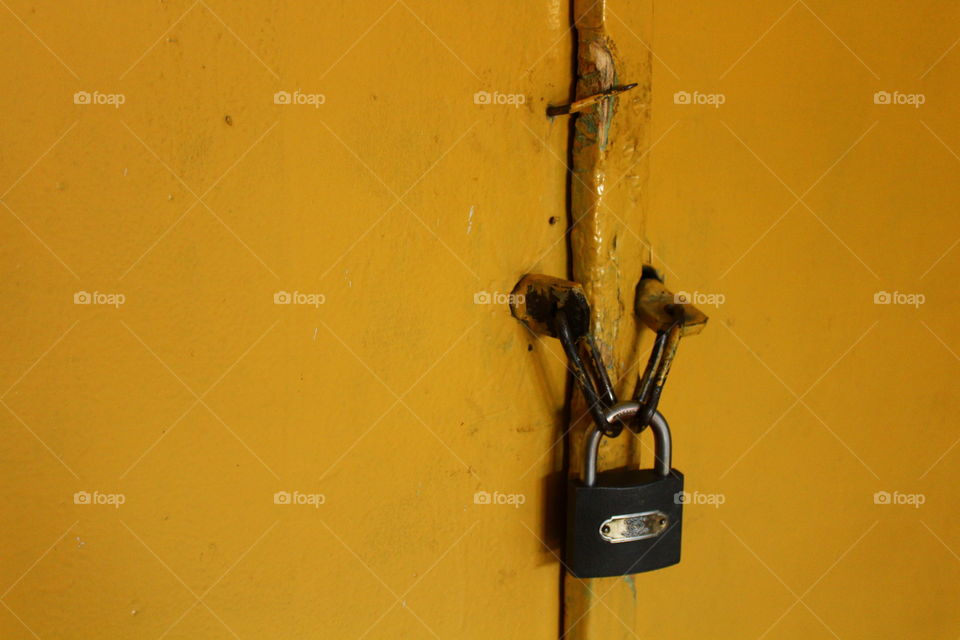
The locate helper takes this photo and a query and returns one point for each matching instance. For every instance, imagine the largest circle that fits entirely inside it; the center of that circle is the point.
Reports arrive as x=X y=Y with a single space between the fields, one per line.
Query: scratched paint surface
x=607 y=250
x=392 y=399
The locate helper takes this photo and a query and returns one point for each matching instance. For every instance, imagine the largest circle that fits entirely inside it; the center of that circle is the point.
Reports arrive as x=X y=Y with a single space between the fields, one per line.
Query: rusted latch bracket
x=658 y=308
x=559 y=308
x=543 y=302
x=670 y=316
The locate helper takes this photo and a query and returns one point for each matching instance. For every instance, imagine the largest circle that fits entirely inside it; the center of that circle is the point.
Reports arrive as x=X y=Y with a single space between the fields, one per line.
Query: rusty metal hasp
x=559 y=309
x=671 y=317
x=540 y=301
x=658 y=308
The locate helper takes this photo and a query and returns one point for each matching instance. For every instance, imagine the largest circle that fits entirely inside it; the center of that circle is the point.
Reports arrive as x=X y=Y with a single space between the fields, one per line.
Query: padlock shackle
x=661 y=438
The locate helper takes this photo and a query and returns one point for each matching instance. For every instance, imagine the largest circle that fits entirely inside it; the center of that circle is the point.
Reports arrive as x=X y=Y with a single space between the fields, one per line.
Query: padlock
x=624 y=521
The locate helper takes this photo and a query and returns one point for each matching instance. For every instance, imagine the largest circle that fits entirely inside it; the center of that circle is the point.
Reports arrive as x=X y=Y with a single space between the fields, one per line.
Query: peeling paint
x=594 y=245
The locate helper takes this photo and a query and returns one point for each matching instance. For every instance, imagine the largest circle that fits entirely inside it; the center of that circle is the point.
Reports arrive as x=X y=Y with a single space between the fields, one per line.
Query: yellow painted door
x=804 y=175
x=257 y=358
x=260 y=379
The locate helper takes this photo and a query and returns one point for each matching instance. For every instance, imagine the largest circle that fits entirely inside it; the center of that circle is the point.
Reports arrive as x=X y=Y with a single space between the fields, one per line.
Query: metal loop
x=593 y=380
x=591 y=376
x=650 y=386
x=663 y=443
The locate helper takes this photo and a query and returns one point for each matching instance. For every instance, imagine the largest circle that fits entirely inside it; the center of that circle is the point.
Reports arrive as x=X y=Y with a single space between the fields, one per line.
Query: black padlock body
x=618 y=492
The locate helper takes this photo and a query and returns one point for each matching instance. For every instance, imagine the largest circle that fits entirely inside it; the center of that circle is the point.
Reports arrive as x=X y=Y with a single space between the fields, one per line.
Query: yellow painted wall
x=397 y=399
